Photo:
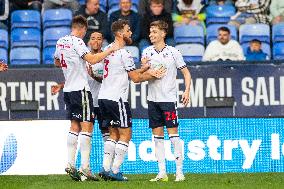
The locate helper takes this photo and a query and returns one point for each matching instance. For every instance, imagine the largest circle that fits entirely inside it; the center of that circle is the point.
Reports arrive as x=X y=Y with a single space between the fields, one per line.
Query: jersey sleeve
x=179 y=62
x=80 y=47
x=128 y=61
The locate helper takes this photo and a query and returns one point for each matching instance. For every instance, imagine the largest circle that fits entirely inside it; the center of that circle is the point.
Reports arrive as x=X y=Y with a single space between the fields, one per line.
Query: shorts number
x=170 y=116
x=62 y=62
x=106 y=67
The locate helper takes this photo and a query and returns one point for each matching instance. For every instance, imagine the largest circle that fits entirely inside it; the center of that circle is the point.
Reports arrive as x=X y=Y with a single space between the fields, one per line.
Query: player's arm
x=92 y=75
x=187 y=79
x=3 y=66
x=138 y=76
x=57 y=63
x=96 y=58
x=56 y=88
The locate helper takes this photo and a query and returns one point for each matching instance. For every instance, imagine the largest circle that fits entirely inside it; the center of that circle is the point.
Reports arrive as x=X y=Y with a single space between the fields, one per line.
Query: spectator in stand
x=55 y=4
x=223 y=49
x=277 y=11
x=3 y=66
x=251 y=12
x=4 y=14
x=157 y=12
x=188 y=12
x=126 y=13
x=254 y=52
x=26 y=4
x=97 y=20
x=144 y=6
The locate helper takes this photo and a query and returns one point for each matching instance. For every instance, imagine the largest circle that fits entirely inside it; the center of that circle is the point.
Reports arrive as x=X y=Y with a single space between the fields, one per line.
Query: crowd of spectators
x=174 y=12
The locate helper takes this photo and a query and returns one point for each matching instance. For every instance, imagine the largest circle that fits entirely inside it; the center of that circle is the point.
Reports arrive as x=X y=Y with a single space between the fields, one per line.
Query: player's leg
x=171 y=120
x=124 y=126
x=156 y=123
x=72 y=140
x=84 y=113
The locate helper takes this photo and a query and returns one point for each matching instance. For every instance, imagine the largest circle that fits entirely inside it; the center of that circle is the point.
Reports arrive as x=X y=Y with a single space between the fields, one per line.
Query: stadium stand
x=189 y=34
x=212 y=32
x=191 y=52
x=24 y=55
x=57 y=17
x=4 y=54
x=249 y=32
x=278 y=33
x=25 y=37
x=4 y=41
x=25 y=19
x=278 y=51
x=51 y=35
x=47 y=55
x=219 y=14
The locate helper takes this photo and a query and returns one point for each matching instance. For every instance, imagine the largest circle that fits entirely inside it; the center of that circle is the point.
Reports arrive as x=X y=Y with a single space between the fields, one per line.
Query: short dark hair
x=118 y=25
x=156 y=2
x=162 y=25
x=255 y=41
x=224 y=28
x=79 y=21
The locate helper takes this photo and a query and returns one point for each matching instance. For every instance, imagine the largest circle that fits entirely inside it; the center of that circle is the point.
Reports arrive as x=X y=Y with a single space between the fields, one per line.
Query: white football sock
x=72 y=142
x=178 y=152
x=109 y=149
x=105 y=136
x=121 y=149
x=85 y=148
x=160 y=153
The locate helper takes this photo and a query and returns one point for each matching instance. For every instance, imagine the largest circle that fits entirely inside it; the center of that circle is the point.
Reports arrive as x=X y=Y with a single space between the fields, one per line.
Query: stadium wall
x=257 y=88
x=211 y=145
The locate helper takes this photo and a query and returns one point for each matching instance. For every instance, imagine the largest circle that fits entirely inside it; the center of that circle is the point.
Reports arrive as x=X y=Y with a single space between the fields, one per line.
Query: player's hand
x=145 y=63
x=3 y=67
x=158 y=73
x=55 y=89
x=89 y=70
x=185 y=98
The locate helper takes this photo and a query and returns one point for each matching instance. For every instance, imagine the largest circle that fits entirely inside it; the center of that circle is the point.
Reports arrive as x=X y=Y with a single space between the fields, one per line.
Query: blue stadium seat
x=191 y=52
x=134 y=52
x=103 y=5
x=249 y=32
x=212 y=32
x=25 y=19
x=189 y=34
x=22 y=56
x=264 y=46
x=25 y=37
x=4 y=55
x=278 y=51
x=4 y=42
x=48 y=55
x=219 y=14
x=57 y=17
x=278 y=33
x=51 y=35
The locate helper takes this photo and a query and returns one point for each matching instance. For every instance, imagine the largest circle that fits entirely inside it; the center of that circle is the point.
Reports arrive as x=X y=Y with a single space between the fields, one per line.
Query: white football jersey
x=95 y=86
x=115 y=83
x=164 y=89
x=70 y=50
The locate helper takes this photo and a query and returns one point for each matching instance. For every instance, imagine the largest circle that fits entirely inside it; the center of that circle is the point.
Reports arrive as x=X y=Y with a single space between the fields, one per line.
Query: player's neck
x=76 y=34
x=159 y=46
x=120 y=41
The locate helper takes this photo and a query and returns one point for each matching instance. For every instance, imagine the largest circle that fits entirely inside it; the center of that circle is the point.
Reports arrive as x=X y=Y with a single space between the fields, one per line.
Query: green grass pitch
x=193 y=181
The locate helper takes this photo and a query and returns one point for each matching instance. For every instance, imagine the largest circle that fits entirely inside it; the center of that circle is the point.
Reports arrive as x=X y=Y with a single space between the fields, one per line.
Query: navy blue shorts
x=116 y=114
x=79 y=105
x=162 y=114
x=99 y=117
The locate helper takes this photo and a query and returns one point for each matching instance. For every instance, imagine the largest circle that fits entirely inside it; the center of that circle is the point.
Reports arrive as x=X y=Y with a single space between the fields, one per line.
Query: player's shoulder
x=148 y=49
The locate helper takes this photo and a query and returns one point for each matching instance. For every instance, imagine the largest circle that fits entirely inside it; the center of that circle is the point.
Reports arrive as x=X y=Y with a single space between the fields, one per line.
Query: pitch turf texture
x=193 y=181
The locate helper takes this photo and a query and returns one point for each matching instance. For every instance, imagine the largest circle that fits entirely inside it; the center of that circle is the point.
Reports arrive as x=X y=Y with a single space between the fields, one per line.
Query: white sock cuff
x=173 y=136
x=158 y=138
x=122 y=145
x=86 y=134
x=105 y=134
x=110 y=142
x=72 y=133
